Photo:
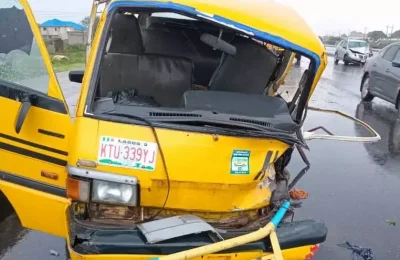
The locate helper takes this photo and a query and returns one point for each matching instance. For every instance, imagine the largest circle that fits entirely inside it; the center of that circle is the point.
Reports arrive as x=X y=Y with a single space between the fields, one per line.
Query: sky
x=331 y=17
x=324 y=16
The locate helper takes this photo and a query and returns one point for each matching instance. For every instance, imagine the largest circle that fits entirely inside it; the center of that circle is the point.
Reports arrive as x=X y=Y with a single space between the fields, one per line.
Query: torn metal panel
x=178 y=226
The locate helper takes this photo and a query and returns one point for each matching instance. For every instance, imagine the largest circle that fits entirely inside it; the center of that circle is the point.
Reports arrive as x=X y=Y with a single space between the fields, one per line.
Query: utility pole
x=391 y=32
x=365 y=32
x=387 y=30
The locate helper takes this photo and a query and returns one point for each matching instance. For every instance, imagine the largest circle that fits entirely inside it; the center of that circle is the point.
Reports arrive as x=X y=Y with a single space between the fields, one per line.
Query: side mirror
x=76 y=76
x=396 y=63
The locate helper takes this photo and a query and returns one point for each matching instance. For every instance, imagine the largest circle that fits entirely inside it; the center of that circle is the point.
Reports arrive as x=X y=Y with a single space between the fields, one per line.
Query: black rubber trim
x=32 y=154
x=13 y=91
x=11 y=178
x=99 y=240
x=258 y=175
x=43 y=147
x=50 y=133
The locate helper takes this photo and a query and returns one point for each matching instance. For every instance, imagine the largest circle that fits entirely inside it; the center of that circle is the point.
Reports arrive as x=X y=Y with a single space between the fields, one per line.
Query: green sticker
x=240 y=162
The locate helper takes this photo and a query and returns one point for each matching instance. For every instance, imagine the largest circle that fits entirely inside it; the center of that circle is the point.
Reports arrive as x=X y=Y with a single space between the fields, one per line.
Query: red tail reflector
x=313 y=250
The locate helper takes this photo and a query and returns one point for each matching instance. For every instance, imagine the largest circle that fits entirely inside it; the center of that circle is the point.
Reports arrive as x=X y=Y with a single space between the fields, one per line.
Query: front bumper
x=358 y=58
x=89 y=242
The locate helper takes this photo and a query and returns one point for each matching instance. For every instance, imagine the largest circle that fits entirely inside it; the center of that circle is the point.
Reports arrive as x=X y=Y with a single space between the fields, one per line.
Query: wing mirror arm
x=26 y=102
x=310 y=134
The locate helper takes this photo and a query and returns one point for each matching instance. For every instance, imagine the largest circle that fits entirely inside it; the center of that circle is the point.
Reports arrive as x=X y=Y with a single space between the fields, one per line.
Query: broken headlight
x=114 y=193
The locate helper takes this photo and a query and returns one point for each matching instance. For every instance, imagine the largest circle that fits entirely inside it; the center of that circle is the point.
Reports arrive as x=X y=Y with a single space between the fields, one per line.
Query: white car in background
x=353 y=51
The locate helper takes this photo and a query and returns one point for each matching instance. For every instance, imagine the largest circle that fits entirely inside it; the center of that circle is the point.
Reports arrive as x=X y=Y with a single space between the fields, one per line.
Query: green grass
x=76 y=58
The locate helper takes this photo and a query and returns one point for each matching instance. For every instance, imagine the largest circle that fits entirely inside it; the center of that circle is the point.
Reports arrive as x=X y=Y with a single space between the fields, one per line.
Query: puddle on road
x=18 y=243
x=11 y=233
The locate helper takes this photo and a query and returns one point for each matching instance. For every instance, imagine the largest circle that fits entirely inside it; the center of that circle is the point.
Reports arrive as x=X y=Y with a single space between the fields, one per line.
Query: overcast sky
x=345 y=15
x=324 y=18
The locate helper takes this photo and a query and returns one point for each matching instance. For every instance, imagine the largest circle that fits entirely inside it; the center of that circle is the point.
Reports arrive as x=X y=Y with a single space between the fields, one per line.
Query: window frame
x=395 y=53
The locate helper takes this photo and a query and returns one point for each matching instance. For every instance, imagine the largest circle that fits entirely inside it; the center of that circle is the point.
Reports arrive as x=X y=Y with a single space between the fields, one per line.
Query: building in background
x=69 y=32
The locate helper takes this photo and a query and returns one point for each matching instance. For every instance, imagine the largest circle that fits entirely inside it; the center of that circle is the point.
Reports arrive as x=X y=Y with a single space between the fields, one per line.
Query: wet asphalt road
x=353 y=187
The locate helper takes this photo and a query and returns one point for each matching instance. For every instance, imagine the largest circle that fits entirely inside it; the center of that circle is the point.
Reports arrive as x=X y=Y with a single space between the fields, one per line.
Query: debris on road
x=358 y=252
x=391 y=222
x=54 y=253
x=298 y=194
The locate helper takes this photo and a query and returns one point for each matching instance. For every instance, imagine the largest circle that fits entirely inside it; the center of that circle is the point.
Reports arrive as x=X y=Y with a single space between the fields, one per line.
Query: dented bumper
x=295 y=240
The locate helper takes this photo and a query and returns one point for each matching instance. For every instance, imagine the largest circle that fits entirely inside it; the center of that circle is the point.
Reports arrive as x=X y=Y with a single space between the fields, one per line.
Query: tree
x=343 y=35
x=396 y=34
x=85 y=21
x=376 y=35
x=333 y=40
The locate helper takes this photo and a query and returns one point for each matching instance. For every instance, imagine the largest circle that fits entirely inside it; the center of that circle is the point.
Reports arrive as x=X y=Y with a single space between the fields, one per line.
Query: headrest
x=126 y=35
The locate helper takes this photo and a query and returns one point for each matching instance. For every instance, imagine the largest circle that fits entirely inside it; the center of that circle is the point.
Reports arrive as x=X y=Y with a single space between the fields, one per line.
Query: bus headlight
x=115 y=193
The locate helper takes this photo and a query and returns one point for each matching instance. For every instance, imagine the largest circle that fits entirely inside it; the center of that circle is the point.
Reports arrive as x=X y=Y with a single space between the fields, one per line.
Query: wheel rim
x=365 y=89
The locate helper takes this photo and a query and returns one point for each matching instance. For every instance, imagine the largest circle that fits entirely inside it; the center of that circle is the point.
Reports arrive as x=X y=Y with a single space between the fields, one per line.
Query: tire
x=394 y=138
x=336 y=58
x=345 y=60
x=366 y=96
x=398 y=105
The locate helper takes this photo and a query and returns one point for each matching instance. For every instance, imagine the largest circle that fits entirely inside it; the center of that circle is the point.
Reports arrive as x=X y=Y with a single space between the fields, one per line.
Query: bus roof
x=277 y=22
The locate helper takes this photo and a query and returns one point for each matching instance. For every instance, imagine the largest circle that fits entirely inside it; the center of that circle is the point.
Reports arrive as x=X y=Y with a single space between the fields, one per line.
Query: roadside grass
x=76 y=55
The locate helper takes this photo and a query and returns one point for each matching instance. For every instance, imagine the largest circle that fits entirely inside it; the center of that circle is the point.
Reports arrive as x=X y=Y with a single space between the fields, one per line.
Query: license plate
x=134 y=154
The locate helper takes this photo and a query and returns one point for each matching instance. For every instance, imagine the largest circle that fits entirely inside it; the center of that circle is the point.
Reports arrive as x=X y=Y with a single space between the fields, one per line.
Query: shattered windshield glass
x=20 y=59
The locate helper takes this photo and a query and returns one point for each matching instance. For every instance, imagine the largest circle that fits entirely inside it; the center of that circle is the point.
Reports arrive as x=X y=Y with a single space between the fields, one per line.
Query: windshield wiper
x=205 y=121
x=285 y=137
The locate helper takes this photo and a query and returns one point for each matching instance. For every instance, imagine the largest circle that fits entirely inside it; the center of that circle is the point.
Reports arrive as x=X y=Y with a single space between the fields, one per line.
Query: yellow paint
x=208 y=186
x=262 y=233
x=199 y=170
x=38 y=210
x=298 y=253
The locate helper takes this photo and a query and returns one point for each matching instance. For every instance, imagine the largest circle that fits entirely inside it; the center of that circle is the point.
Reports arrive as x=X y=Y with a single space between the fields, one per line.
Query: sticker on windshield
x=140 y=155
x=240 y=162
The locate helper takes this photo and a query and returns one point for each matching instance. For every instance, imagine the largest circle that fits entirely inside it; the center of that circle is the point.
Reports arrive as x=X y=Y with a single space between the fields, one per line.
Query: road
x=353 y=187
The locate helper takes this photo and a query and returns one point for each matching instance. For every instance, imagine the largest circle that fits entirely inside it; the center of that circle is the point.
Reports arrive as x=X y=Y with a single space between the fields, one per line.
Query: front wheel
x=366 y=96
x=336 y=58
x=346 y=62
x=398 y=105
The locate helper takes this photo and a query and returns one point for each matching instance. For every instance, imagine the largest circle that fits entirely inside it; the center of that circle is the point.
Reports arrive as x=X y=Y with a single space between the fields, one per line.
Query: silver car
x=381 y=76
x=353 y=51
